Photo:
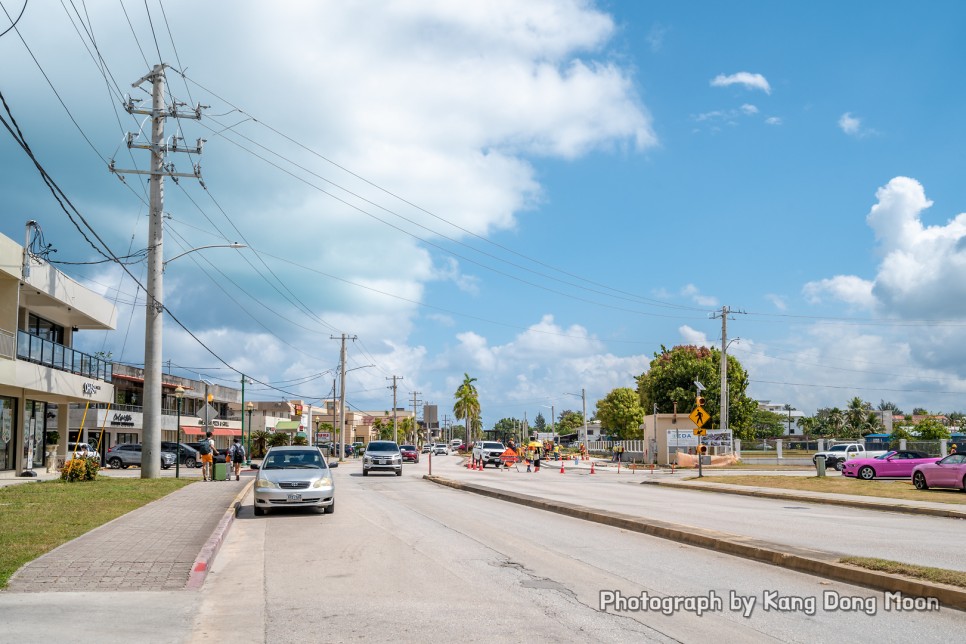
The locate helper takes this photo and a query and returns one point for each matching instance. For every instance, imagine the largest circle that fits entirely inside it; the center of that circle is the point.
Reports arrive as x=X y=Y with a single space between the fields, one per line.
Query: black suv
x=189 y=455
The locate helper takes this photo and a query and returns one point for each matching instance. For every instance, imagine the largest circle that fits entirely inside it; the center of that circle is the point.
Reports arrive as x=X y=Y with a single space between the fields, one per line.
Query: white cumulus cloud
x=747 y=79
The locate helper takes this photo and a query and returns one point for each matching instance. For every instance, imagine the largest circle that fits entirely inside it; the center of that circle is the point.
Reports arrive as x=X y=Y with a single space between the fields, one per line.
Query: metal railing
x=8 y=344
x=56 y=356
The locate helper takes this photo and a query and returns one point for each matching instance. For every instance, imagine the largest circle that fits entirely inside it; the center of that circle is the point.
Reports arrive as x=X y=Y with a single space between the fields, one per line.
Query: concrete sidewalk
x=167 y=544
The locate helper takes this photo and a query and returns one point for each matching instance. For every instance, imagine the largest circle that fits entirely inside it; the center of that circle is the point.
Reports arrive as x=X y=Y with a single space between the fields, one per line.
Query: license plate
x=382 y=462
x=294 y=497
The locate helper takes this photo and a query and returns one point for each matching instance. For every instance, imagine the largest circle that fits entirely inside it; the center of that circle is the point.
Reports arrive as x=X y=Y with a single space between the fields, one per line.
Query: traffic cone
x=562 y=467
x=618 y=467
x=592 y=467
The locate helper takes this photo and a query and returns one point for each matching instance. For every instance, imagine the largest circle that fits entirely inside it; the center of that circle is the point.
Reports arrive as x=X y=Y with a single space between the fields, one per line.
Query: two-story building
x=41 y=374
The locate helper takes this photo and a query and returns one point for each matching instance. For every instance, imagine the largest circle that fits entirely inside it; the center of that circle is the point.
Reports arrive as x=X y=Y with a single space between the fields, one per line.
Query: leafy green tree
x=807 y=425
x=920 y=411
x=620 y=412
x=540 y=423
x=767 y=424
x=898 y=433
x=278 y=439
x=930 y=429
x=670 y=379
x=885 y=405
x=507 y=427
x=569 y=422
x=467 y=405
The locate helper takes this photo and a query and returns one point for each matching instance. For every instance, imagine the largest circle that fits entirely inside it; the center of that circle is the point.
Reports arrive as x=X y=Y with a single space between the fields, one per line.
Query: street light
x=151 y=426
x=179 y=394
x=250 y=407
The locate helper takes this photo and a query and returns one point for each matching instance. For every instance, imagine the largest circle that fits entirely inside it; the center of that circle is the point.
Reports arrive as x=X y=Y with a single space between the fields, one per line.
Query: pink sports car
x=897 y=464
x=948 y=472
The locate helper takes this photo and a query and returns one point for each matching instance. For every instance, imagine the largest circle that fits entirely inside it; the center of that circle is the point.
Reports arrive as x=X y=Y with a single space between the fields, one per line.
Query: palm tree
x=467 y=405
x=836 y=420
x=806 y=424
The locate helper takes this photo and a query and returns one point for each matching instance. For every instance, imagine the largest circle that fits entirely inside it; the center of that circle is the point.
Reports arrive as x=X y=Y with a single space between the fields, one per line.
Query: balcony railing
x=36 y=349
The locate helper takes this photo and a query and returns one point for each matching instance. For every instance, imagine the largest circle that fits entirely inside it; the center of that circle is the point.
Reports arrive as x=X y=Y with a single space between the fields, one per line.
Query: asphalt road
x=924 y=540
x=405 y=560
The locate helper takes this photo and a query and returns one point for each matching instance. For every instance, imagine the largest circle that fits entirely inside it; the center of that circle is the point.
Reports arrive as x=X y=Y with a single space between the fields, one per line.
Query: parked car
x=836 y=455
x=189 y=455
x=893 y=464
x=946 y=472
x=382 y=456
x=440 y=448
x=294 y=476
x=82 y=450
x=125 y=455
x=218 y=455
x=489 y=452
x=409 y=453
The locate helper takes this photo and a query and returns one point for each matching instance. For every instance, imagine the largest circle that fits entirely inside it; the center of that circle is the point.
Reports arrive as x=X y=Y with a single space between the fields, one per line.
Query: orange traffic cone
x=562 y=467
x=592 y=467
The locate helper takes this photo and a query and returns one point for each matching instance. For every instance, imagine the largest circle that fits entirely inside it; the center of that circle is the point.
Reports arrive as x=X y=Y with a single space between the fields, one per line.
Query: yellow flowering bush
x=80 y=469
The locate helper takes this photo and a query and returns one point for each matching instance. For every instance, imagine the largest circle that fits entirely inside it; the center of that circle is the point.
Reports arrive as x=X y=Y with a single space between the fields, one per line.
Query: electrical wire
x=14 y=24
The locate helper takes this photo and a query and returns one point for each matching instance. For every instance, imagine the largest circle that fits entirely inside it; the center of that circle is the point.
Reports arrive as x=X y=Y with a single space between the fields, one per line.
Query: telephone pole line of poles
x=415 y=433
x=395 y=425
x=723 y=414
x=154 y=290
x=342 y=357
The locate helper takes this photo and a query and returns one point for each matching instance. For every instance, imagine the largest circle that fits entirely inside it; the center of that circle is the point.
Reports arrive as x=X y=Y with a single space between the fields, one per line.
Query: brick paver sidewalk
x=151 y=548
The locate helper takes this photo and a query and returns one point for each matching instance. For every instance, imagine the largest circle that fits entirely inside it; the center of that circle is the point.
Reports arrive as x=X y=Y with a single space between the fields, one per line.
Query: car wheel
x=190 y=462
x=839 y=465
x=365 y=472
x=259 y=512
x=866 y=473
x=115 y=463
x=331 y=508
x=165 y=466
x=919 y=480
x=399 y=472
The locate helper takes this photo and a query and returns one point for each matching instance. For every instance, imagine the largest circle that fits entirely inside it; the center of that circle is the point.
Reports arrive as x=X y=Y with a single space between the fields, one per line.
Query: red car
x=897 y=464
x=948 y=472
x=409 y=453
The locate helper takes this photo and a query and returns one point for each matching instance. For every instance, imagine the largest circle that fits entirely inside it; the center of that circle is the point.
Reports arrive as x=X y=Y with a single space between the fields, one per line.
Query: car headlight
x=396 y=457
x=367 y=459
x=325 y=481
x=265 y=483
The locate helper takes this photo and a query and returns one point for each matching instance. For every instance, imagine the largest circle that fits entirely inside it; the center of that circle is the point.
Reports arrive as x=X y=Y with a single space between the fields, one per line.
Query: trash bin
x=820 y=465
x=221 y=471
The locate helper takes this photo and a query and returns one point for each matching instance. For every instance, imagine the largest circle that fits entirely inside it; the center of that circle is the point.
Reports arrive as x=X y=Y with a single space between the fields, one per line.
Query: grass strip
x=837 y=484
x=935 y=575
x=38 y=517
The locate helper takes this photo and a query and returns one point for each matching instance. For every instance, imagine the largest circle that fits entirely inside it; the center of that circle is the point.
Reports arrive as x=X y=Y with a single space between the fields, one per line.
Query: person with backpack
x=207 y=448
x=237 y=454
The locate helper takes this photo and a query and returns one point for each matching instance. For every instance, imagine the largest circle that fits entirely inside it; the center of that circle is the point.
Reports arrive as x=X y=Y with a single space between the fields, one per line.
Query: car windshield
x=883 y=457
x=838 y=448
x=382 y=446
x=409 y=448
x=492 y=445
x=302 y=459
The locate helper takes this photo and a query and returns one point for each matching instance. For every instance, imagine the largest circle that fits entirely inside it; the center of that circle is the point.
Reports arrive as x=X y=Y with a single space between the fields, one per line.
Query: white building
x=789 y=416
x=41 y=310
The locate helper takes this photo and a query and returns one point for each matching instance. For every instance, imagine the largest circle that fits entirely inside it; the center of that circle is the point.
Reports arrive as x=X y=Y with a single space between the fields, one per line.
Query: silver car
x=382 y=456
x=294 y=476
x=125 y=455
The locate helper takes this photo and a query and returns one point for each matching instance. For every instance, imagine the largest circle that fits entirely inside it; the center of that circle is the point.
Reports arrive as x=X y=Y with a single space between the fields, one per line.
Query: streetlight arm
x=191 y=250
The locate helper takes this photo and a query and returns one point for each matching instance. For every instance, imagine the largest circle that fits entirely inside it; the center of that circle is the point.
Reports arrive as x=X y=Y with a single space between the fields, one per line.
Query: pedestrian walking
x=237 y=453
x=207 y=449
x=536 y=460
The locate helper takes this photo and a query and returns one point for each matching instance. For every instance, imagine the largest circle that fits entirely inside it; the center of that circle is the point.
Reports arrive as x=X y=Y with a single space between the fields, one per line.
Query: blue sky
x=538 y=194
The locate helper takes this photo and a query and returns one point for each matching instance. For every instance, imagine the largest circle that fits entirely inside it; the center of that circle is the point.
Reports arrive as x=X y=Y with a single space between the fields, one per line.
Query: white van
x=455 y=443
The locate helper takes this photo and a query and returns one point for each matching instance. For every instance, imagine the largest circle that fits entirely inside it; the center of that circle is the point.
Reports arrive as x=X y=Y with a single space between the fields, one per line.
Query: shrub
x=300 y=440
x=80 y=469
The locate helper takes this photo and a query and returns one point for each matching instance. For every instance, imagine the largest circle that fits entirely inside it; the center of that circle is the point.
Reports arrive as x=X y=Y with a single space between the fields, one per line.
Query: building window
x=125 y=437
x=45 y=329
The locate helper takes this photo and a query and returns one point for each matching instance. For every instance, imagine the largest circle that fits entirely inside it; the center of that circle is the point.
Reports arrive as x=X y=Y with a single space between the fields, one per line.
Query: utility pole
x=342 y=356
x=725 y=312
x=395 y=425
x=151 y=432
x=415 y=403
x=583 y=397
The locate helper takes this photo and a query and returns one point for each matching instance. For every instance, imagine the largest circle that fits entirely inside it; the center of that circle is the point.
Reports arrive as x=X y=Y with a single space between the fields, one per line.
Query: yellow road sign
x=699 y=416
x=700 y=431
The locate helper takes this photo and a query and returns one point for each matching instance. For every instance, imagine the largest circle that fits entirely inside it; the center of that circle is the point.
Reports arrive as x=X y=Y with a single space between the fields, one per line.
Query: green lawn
x=38 y=517
x=844 y=485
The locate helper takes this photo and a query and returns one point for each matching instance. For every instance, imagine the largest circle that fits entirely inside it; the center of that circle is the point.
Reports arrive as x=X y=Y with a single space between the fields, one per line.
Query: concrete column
x=778 y=448
x=737 y=443
x=902 y=443
x=942 y=447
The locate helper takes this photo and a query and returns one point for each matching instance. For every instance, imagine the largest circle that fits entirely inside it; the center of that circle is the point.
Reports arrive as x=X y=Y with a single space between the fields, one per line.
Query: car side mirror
x=254 y=466
x=333 y=464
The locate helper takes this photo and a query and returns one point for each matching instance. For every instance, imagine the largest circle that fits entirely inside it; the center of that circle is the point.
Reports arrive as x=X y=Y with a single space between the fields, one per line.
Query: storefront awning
x=216 y=431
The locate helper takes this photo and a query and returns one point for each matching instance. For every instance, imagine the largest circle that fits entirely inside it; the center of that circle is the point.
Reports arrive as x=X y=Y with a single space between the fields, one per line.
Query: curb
x=951 y=513
x=813 y=562
x=202 y=564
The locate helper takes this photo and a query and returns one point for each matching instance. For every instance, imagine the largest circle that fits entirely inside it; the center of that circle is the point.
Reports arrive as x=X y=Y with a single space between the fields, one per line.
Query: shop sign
x=90 y=388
